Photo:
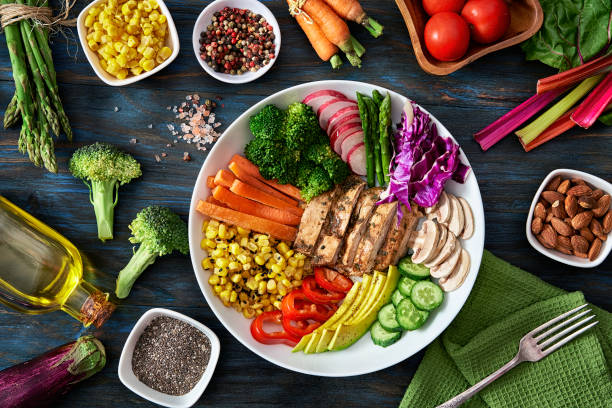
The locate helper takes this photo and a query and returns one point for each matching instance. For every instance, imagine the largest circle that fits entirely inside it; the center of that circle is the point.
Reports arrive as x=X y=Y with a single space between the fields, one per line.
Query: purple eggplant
x=36 y=383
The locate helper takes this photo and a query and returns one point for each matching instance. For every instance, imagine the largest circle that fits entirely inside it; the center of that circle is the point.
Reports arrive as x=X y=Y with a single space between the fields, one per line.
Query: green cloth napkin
x=505 y=304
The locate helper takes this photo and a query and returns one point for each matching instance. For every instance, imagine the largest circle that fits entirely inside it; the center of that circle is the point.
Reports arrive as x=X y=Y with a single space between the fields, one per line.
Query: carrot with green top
x=351 y=10
x=322 y=46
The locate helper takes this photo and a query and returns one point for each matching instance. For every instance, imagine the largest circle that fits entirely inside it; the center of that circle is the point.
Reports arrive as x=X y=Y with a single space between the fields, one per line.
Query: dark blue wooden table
x=465 y=102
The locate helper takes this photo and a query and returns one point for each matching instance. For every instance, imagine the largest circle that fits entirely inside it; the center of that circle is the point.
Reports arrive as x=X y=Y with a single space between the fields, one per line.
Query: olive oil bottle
x=41 y=271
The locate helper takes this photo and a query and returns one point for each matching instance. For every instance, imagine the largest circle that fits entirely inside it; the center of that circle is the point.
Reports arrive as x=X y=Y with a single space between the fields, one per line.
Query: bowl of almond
x=570 y=218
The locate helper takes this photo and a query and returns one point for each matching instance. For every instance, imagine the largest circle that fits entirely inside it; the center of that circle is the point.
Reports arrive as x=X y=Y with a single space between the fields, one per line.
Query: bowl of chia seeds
x=236 y=41
x=169 y=358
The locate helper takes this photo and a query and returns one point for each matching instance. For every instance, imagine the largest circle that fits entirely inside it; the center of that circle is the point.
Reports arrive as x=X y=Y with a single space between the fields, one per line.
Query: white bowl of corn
x=127 y=40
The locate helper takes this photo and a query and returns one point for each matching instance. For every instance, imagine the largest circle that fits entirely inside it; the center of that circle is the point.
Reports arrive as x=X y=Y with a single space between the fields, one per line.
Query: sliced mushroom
x=425 y=242
x=447 y=250
x=448 y=266
x=468 y=229
x=442 y=233
x=432 y=209
x=458 y=276
x=457 y=220
x=444 y=209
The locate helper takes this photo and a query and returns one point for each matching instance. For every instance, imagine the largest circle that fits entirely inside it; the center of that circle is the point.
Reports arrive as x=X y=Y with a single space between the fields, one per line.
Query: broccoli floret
x=301 y=127
x=318 y=183
x=323 y=155
x=268 y=123
x=103 y=168
x=274 y=159
x=303 y=174
x=159 y=231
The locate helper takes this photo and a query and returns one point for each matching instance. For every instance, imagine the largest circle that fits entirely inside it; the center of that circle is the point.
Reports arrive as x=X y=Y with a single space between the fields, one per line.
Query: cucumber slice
x=382 y=337
x=409 y=317
x=426 y=295
x=412 y=270
x=386 y=317
x=397 y=297
x=405 y=285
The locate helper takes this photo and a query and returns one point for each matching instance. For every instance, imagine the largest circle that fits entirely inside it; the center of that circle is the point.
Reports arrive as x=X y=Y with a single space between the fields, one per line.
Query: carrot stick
x=247 y=221
x=210 y=182
x=323 y=47
x=252 y=193
x=224 y=178
x=213 y=200
x=351 y=10
x=235 y=202
x=250 y=168
x=255 y=182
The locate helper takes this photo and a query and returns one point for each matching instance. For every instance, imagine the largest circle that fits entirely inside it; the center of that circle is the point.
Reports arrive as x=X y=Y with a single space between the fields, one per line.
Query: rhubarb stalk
x=559 y=126
x=575 y=75
x=593 y=105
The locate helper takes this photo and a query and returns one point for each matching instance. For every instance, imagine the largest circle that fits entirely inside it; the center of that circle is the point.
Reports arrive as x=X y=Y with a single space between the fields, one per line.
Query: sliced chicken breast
x=312 y=221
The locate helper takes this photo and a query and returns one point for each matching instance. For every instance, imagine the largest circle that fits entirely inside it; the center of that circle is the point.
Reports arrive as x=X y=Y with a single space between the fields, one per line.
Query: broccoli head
x=323 y=155
x=268 y=123
x=274 y=159
x=301 y=127
x=159 y=231
x=103 y=168
x=318 y=183
x=303 y=173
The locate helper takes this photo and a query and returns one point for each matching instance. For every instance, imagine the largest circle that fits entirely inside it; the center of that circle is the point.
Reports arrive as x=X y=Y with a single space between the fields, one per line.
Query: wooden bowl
x=525 y=20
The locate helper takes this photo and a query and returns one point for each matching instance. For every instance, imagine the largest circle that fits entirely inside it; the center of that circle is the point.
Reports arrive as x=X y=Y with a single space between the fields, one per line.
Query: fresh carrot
x=247 y=221
x=235 y=202
x=252 y=193
x=213 y=200
x=224 y=178
x=243 y=175
x=351 y=10
x=210 y=182
x=334 y=28
x=323 y=47
x=250 y=168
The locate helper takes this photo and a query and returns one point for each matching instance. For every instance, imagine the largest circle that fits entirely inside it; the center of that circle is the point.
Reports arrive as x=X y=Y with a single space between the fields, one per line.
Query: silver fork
x=534 y=346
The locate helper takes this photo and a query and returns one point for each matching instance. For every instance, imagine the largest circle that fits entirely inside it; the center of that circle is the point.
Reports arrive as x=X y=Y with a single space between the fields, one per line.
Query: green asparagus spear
x=377 y=96
x=367 y=140
x=12 y=113
x=47 y=150
x=373 y=112
x=384 y=122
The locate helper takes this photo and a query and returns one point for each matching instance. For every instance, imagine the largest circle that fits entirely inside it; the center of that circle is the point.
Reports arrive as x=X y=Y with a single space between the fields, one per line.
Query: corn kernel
x=261 y=287
x=218 y=288
x=93 y=45
x=206 y=263
x=234 y=266
x=233 y=296
x=259 y=260
x=242 y=231
x=293 y=262
x=136 y=70
x=89 y=21
x=236 y=278
x=271 y=285
x=213 y=280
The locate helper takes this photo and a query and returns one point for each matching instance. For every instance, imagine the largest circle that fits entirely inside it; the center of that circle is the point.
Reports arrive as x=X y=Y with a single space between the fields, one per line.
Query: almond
x=594 y=250
x=561 y=227
x=536 y=225
x=549 y=236
x=581 y=254
x=564 y=186
x=571 y=205
x=586 y=202
x=549 y=216
x=568 y=220
x=606 y=223
x=582 y=219
x=579 y=190
x=564 y=245
x=539 y=211
x=597 y=194
x=578 y=181
x=587 y=234
x=579 y=244
x=554 y=183
x=558 y=210
x=552 y=196
x=597 y=229
x=602 y=205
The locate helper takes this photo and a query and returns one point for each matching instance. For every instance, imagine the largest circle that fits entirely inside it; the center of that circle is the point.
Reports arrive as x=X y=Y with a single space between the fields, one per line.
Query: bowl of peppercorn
x=236 y=41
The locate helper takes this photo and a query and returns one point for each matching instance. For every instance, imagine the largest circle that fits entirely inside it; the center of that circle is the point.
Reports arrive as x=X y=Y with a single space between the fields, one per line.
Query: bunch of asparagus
x=36 y=98
x=375 y=113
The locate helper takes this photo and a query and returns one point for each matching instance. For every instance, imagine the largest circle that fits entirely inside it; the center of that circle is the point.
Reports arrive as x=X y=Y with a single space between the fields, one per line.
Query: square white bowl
x=129 y=379
x=172 y=41
x=554 y=254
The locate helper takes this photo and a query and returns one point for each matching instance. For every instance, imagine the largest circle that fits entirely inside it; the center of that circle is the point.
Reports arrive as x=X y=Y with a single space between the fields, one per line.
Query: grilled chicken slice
x=359 y=221
x=312 y=221
x=372 y=240
x=392 y=241
x=337 y=222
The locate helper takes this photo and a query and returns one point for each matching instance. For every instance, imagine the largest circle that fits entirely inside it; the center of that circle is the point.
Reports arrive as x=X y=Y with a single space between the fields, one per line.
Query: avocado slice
x=374 y=294
x=377 y=280
x=312 y=343
x=346 y=335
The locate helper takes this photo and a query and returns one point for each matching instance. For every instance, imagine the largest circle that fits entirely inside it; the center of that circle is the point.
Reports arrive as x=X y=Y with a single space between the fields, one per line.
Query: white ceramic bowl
x=172 y=41
x=593 y=181
x=129 y=379
x=363 y=356
x=204 y=19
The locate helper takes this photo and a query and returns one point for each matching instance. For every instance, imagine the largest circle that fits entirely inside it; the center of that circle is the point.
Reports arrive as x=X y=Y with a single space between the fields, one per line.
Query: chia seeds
x=171 y=356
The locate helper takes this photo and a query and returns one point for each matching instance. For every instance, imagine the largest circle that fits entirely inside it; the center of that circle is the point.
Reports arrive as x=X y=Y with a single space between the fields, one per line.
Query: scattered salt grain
x=150 y=126
x=133 y=141
x=116 y=109
x=157 y=158
x=164 y=154
x=186 y=156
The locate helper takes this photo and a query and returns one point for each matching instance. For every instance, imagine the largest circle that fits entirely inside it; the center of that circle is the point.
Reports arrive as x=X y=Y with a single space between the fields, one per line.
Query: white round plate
x=362 y=357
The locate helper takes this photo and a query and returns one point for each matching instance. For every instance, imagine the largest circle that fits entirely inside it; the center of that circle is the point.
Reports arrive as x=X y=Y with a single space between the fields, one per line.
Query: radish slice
x=342 y=133
x=327 y=110
x=325 y=92
x=357 y=160
x=349 y=143
x=319 y=101
x=344 y=120
x=339 y=115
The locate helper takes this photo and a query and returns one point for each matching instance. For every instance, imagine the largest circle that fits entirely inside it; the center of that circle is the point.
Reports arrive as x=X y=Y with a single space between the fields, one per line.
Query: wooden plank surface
x=465 y=102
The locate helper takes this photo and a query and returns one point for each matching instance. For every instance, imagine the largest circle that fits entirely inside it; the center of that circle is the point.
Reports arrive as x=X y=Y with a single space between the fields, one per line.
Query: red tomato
x=447 y=36
x=488 y=19
x=437 y=6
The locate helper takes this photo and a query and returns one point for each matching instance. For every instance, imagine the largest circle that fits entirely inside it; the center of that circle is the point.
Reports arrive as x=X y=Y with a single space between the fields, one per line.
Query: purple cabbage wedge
x=423 y=162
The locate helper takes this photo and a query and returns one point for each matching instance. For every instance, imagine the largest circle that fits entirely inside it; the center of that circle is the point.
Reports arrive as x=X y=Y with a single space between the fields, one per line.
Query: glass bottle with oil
x=41 y=271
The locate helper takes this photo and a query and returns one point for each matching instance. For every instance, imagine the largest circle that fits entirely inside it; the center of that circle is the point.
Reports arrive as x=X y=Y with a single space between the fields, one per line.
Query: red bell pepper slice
x=301 y=328
x=331 y=280
x=319 y=295
x=276 y=337
x=296 y=306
